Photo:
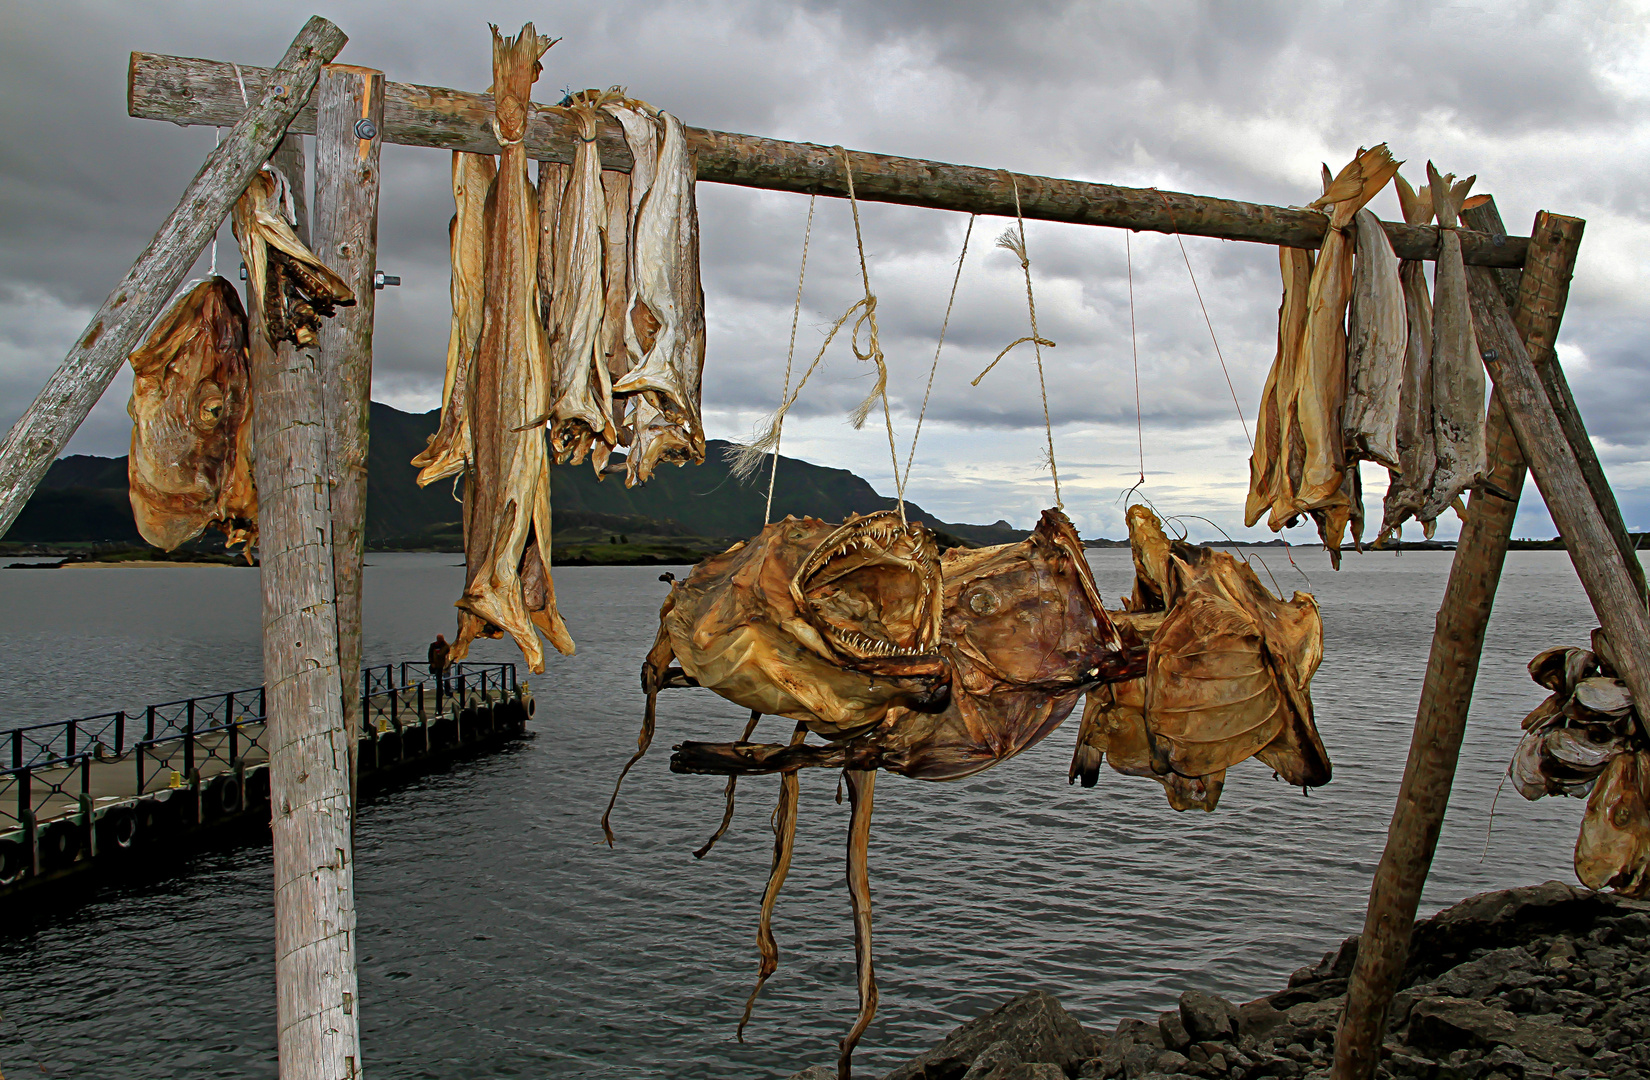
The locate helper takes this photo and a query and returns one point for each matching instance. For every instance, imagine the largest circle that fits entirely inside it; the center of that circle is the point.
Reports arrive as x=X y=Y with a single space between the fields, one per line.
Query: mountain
x=83 y=500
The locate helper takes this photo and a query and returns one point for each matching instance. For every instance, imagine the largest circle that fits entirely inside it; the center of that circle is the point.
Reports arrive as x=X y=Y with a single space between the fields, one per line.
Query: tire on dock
x=117 y=829
x=14 y=859
x=222 y=797
x=61 y=842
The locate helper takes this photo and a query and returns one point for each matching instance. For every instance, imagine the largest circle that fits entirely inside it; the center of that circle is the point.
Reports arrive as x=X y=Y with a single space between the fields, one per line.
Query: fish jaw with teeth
x=871 y=592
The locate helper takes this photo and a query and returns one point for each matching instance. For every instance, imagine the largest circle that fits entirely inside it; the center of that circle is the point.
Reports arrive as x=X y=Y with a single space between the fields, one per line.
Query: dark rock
x=1139 y=1031
x=993 y=1060
x=1208 y=1016
x=1410 y=1066
x=1449 y=1023
x=1258 y=1018
x=1173 y=1030
x=1034 y=1025
x=1314 y=1019
x=1139 y=1058
x=814 y=1072
x=1171 y=1062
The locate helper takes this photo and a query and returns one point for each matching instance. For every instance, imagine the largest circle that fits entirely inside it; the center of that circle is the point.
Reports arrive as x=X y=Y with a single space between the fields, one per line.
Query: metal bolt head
x=365 y=129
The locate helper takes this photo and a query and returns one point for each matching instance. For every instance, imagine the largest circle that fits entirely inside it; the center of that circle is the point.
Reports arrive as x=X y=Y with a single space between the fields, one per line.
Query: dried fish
x=1601 y=695
x=1457 y=372
x=1412 y=479
x=581 y=416
x=664 y=331
x=191 y=459
x=1573 y=736
x=1377 y=339
x=293 y=289
x=794 y=623
x=1274 y=466
x=1613 y=848
x=450 y=448
x=1560 y=669
x=507 y=491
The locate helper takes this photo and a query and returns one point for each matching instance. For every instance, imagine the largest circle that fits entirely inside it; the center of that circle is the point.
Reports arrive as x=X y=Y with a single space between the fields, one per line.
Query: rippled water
x=500 y=938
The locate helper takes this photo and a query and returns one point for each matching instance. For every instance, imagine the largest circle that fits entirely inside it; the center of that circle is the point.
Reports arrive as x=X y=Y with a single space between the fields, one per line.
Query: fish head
x=189 y=405
x=869 y=590
x=1029 y=614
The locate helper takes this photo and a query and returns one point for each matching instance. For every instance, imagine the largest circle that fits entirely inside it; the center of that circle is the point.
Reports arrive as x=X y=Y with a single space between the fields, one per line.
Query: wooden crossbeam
x=189 y=91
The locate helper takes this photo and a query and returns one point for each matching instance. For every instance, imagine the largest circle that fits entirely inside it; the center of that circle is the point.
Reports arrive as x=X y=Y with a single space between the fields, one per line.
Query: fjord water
x=499 y=937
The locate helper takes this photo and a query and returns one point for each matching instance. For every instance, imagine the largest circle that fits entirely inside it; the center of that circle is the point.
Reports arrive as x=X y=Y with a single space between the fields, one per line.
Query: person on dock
x=439 y=650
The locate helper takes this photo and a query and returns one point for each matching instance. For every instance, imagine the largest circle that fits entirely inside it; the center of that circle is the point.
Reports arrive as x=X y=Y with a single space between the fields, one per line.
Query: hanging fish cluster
x=624 y=304
x=190 y=465
x=191 y=459
x=1369 y=369
x=1228 y=676
x=895 y=657
x=1587 y=740
x=577 y=316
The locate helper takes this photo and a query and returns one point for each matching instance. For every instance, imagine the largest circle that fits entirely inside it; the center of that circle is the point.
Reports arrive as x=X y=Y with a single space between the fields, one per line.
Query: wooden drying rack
x=1519 y=288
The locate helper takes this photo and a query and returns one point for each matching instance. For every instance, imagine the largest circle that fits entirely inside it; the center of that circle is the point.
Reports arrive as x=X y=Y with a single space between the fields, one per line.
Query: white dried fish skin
x=1377 y=342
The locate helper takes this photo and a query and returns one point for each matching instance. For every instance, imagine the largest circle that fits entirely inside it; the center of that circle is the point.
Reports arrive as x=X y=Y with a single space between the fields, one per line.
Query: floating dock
x=110 y=791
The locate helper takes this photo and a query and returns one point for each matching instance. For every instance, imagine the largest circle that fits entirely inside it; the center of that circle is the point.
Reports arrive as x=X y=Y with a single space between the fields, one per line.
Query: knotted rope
x=1017 y=244
x=946 y=322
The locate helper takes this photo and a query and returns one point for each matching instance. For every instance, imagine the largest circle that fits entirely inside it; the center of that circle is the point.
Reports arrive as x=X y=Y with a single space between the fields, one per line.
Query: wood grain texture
x=190 y=91
x=1452 y=671
x=346 y=239
x=315 y=982
x=57 y=412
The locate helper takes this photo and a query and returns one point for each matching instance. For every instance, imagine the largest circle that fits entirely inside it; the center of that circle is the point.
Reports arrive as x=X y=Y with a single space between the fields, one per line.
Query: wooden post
x=1452 y=669
x=42 y=431
x=183 y=90
x=315 y=984
x=351 y=116
x=288 y=160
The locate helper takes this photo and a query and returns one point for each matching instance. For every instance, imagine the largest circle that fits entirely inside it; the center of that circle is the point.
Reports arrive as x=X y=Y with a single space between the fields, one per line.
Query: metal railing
x=170 y=745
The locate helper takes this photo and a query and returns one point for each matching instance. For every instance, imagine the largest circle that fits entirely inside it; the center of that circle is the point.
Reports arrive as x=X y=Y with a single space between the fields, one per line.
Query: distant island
x=81 y=510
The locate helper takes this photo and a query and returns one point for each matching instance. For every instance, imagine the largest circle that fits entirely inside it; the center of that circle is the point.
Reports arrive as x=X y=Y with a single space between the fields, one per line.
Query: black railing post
x=189 y=738
x=86 y=776
x=137 y=758
x=17 y=749
x=420 y=701
x=69 y=729
x=25 y=794
x=149 y=728
x=234 y=728
x=120 y=732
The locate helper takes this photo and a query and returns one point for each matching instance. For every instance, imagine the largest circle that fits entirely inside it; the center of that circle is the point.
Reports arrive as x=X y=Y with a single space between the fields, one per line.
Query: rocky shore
x=1548 y=982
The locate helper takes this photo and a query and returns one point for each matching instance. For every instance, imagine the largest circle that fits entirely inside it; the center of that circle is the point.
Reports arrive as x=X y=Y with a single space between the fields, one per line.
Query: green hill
x=681 y=512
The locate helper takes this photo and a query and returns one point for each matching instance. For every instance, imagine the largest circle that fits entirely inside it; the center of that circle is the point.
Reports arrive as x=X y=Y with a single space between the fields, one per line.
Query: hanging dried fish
x=1378 y=335
x=1613 y=847
x=1228 y=675
x=664 y=326
x=1457 y=372
x=191 y=459
x=507 y=490
x=1279 y=454
x=1409 y=483
x=1023 y=635
x=450 y=449
x=581 y=416
x=293 y=289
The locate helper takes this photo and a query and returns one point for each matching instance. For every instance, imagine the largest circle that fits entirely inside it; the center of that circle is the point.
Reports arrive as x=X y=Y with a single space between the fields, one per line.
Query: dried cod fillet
x=664 y=331
x=293 y=289
x=449 y=450
x=1323 y=347
x=581 y=416
x=1613 y=848
x=1417 y=458
x=191 y=459
x=1228 y=675
x=507 y=496
x=1457 y=372
x=1377 y=338
x=1271 y=483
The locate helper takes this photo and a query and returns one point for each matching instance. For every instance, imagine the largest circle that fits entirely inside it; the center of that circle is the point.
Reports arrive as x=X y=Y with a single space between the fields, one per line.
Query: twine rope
x=1017 y=244
x=915 y=435
x=790 y=353
x=873 y=347
x=1134 y=344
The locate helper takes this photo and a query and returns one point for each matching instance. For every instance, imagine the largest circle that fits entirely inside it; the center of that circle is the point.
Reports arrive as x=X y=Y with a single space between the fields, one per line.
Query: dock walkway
x=99 y=789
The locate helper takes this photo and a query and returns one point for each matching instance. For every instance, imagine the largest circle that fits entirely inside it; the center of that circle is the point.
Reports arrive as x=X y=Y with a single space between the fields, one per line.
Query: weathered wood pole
x=1452 y=669
x=351 y=104
x=57 y=412
x=309 y=785
x=189 y=91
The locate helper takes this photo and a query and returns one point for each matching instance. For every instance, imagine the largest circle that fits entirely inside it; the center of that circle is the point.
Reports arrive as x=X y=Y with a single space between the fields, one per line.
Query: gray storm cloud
x=1544 y=101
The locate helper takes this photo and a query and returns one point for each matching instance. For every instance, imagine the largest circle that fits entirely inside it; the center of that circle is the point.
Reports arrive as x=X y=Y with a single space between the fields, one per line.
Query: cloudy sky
x=1545 y=102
